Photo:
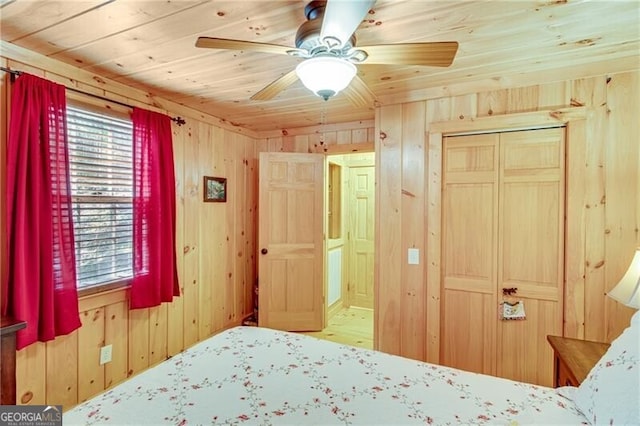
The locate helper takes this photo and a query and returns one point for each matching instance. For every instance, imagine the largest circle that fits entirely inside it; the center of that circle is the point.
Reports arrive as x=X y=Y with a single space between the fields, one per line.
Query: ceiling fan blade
x=435 y=54
x=276 y=86
x=223 y=43
x=359 y=94
x=342 y=17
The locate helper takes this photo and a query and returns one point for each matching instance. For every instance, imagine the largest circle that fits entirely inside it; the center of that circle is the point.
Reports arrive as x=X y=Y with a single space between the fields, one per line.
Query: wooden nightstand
x=8 y=329
x=573 y=359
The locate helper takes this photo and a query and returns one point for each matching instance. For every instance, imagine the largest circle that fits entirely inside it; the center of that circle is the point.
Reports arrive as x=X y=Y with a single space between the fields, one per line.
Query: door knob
x=264 y=251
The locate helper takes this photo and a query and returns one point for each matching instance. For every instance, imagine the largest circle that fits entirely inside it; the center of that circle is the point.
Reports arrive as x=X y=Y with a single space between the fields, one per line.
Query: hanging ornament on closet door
x=509 y=308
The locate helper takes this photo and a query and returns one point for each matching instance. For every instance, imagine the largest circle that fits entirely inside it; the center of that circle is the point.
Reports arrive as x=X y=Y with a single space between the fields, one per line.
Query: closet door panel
x=469 y=337
x=531 y=238
x=531 y=250
x=524 y=354
x=468 y=236
x=469 y=245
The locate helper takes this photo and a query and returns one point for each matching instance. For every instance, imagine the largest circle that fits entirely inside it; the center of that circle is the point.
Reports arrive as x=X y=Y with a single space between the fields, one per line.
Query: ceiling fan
x=327 y=43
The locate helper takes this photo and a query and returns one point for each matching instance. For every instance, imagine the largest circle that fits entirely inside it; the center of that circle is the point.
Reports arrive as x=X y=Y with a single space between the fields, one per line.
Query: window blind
x=101 y=168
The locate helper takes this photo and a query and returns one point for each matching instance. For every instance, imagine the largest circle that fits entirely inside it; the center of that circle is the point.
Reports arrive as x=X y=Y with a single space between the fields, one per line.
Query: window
x=101 y=168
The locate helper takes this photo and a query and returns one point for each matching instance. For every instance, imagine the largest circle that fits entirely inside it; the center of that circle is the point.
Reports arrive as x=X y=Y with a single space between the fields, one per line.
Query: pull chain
x=323 y=122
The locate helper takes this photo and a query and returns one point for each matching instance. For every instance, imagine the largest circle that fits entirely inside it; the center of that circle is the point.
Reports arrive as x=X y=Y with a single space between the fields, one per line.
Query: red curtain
x=41 y=286
x=155 y=276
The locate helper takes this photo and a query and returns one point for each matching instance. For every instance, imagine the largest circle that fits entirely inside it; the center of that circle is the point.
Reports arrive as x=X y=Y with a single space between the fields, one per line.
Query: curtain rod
x=178 y=120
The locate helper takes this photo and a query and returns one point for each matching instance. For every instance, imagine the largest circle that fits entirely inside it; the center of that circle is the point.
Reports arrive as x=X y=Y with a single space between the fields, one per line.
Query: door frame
x=334 y=243
x=347 y=163
x=342 y=149
x=575 y=119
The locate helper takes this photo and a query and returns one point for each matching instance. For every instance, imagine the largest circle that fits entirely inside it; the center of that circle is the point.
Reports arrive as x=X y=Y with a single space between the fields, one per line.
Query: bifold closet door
x=531 y=249
x=502 y=228
x=470 y=247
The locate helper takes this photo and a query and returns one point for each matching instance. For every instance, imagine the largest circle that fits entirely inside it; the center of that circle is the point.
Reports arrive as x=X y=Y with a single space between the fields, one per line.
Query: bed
x=253 y=375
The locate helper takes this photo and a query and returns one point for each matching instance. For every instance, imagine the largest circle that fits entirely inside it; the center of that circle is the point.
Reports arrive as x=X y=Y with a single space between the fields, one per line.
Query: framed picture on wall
x=215 y=189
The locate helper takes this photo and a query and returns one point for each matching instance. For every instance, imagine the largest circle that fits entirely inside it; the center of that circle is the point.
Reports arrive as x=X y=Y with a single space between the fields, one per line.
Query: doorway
x=350 y=191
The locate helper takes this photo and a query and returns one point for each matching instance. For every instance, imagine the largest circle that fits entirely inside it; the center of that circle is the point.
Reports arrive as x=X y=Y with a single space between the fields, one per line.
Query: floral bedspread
x=251 y=375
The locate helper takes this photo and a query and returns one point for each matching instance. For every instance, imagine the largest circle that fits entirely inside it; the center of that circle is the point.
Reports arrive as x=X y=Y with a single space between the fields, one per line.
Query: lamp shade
x=325 y=75
x=627 y=291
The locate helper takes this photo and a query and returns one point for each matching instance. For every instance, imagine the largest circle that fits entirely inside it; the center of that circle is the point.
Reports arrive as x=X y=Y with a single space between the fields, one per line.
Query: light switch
x=414 y=256
x=105 y=354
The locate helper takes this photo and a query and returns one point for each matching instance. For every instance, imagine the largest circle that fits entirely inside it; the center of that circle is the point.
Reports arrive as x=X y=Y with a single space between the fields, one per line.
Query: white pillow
x=611 y=392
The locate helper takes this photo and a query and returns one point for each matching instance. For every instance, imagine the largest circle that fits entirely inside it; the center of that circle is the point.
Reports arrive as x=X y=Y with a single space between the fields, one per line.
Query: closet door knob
x=264 y=251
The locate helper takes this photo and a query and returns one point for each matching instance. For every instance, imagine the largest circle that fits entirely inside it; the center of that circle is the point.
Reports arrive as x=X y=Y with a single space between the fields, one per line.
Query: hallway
x=351 y=326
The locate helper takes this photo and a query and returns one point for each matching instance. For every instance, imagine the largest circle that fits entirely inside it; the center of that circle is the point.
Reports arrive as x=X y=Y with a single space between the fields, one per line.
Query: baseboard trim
x=334 y=308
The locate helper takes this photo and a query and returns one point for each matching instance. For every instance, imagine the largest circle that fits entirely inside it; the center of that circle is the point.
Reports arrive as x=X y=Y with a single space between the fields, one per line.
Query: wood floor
x=350 y=326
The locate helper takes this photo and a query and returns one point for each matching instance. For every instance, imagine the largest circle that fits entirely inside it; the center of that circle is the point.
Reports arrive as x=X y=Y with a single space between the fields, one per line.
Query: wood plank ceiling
x=150 y=45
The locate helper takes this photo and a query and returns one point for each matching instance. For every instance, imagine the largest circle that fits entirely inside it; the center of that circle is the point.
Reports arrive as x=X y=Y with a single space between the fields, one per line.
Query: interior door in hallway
x=291 y=231
x=361 y=235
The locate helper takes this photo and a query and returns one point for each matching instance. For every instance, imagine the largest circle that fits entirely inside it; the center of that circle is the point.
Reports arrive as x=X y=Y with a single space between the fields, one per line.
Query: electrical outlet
x=105 y=354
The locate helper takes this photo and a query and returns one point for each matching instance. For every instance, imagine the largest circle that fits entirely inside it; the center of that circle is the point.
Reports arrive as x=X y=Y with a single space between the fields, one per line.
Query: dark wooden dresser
x=8 y=329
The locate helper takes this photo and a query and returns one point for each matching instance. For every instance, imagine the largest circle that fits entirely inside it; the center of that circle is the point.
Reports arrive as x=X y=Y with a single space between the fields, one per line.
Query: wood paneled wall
x=611 y=208
x=216 y=241
x=216 y=259
x=357 y=136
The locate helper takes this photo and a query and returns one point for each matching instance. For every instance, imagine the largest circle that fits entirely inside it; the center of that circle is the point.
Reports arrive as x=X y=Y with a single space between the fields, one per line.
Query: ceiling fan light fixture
x=325 y=75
